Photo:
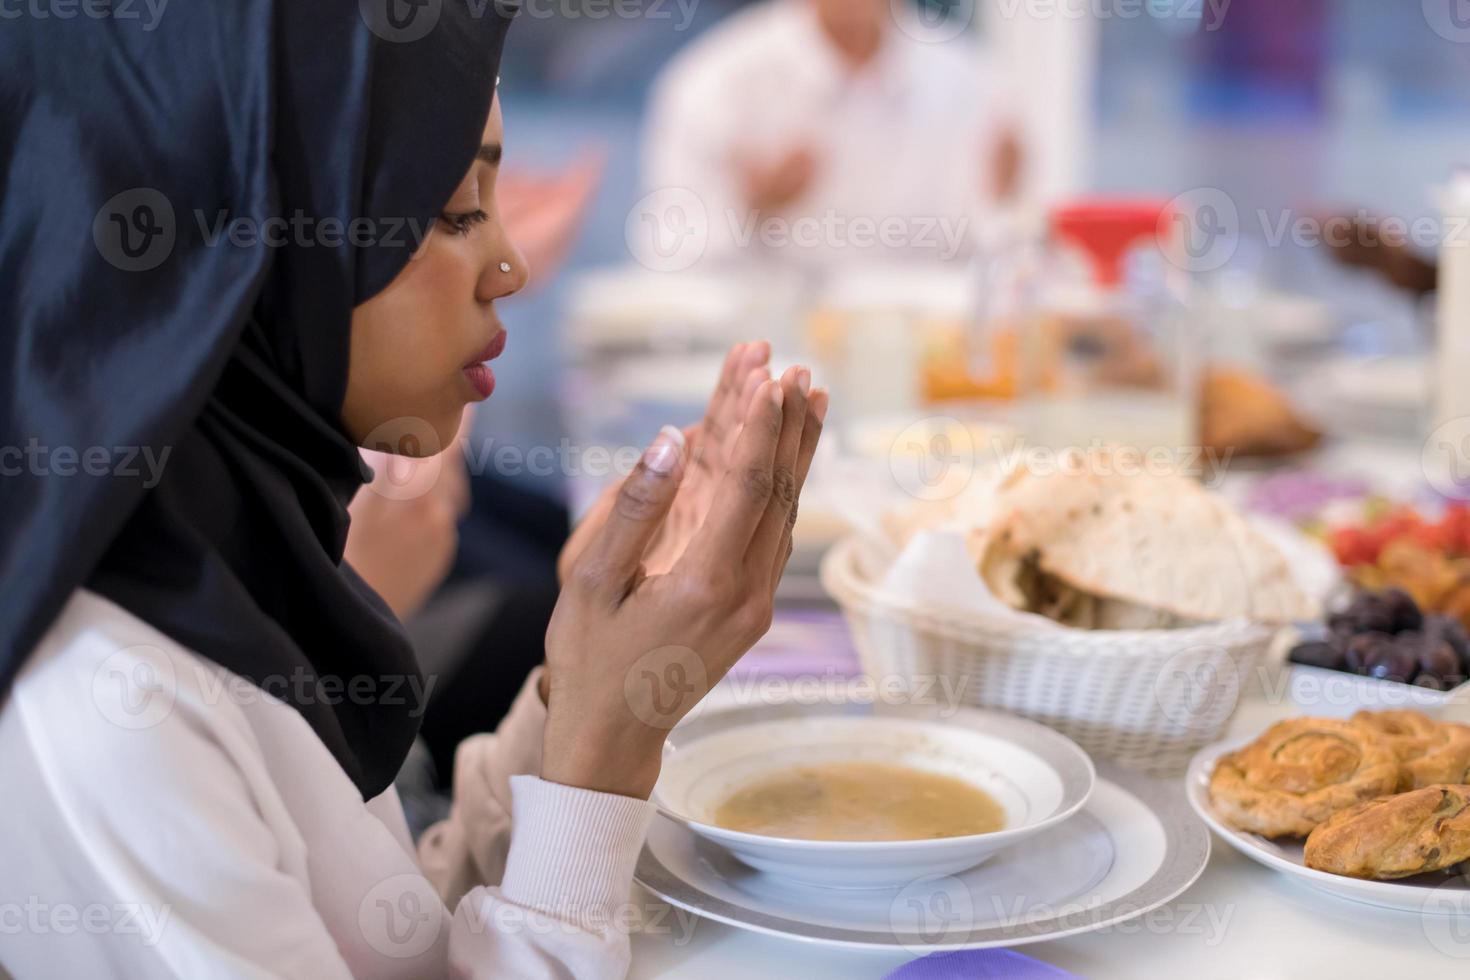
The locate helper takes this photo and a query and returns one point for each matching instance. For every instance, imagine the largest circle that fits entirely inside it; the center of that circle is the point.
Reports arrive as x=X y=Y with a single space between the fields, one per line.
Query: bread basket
x=1148 y=699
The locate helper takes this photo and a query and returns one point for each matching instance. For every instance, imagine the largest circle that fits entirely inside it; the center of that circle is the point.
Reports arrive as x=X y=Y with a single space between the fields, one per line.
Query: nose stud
x=505 y=267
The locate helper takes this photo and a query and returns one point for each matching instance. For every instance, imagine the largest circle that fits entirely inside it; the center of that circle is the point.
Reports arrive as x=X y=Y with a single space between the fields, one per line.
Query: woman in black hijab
x=240 y=241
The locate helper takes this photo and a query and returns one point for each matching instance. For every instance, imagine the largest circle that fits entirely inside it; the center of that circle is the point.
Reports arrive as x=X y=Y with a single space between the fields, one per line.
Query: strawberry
x=1351 y=546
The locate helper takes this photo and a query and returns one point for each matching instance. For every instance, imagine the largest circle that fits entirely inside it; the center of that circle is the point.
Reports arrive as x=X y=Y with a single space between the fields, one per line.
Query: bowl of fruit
x=1382 y=650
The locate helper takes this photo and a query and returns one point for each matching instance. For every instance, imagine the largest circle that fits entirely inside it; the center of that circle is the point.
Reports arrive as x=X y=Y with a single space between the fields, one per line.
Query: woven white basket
x=1145 y=698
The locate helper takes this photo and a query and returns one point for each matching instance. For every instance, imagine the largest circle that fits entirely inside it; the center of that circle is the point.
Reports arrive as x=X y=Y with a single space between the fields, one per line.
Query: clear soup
x=860 y=801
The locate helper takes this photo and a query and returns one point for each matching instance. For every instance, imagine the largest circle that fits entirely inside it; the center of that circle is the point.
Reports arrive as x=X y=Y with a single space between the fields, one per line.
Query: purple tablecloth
x=802 y=643
x=985 y=964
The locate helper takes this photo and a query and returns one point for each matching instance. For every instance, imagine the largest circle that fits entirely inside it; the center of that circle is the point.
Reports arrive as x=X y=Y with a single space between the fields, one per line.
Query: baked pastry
x=1431 y=753
x=1244 y=414
x=1403 y=835
x=1300 y=772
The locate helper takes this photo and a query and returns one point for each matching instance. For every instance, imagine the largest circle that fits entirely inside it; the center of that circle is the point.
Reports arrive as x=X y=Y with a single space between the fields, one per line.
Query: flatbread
x=1159 y=542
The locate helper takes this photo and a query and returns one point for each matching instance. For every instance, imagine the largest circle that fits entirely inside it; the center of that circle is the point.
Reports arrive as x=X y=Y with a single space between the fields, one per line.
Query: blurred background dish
x=1355 y=397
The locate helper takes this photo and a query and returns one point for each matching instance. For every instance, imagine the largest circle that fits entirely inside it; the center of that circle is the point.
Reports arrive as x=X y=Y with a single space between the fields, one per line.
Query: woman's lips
x=481 y=378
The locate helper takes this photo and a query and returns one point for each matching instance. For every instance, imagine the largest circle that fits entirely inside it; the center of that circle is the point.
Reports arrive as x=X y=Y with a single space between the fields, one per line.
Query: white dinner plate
x=1132 y=848
x=1432 y=894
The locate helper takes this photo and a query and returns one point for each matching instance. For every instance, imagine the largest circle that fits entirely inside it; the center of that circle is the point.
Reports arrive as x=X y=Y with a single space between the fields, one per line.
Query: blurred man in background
x=802 y=124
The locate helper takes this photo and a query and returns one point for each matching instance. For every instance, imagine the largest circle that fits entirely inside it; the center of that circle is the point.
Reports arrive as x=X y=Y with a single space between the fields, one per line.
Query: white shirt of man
x=902 y=146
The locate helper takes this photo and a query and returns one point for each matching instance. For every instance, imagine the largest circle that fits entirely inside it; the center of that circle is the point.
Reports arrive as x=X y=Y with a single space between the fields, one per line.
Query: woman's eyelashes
x=461 y=223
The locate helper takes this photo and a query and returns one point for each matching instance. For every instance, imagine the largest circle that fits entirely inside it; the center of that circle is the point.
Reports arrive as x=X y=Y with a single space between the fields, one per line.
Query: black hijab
x=193 y=203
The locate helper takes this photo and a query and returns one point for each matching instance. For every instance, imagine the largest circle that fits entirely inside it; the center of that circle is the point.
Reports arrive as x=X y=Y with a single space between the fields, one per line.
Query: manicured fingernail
x=804 y=381
x=663 y=455
x=820 y=401
x=763 y=349
x=777 y=396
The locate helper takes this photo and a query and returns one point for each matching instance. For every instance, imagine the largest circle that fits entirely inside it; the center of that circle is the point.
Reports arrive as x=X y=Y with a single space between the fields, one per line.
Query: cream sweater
x=162 y=817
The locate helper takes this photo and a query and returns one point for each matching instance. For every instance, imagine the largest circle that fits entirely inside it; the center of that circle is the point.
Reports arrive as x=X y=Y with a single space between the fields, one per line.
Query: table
x=1240 y=921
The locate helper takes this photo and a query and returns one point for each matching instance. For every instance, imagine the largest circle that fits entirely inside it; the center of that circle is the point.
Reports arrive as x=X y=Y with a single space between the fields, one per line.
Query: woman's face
x=418 y=347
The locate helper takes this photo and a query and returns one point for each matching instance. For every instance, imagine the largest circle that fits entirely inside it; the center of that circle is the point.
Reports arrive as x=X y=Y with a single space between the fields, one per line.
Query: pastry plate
x=1132 y=848
x=1432 y=894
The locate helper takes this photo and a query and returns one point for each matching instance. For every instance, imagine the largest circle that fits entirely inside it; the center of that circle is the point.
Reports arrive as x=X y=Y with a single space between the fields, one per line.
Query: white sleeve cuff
x=572 y=851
